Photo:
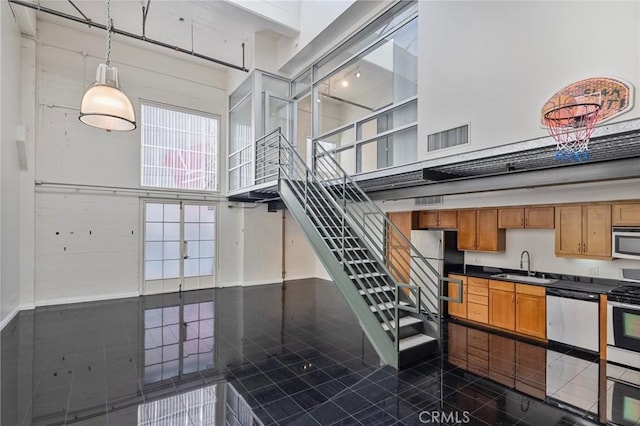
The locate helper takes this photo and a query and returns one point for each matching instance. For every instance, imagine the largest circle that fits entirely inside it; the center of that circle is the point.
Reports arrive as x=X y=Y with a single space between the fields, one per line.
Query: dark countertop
x=565 y=282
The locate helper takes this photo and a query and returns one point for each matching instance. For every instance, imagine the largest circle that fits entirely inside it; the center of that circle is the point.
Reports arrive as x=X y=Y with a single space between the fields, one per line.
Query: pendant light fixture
x=104 y=105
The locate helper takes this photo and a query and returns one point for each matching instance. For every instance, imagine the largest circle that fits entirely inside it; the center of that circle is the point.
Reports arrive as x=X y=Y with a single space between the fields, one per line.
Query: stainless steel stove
x=623 y=320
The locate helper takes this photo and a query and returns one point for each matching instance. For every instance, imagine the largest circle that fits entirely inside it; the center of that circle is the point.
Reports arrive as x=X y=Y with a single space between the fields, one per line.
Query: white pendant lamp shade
x=104 y=105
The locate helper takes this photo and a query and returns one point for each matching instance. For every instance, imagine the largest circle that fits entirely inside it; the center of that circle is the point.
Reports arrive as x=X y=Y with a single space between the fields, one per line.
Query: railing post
x=397 y=320
x=306 y=189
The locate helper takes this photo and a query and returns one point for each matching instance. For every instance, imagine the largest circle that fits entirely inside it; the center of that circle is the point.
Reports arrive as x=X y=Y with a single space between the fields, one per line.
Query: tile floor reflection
x=291 y=354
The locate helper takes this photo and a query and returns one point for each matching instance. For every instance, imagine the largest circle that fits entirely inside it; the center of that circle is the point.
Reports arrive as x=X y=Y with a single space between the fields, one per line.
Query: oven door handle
x=624 y=305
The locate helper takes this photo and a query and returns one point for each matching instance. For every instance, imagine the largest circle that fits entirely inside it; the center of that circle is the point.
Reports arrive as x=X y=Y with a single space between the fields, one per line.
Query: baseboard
x=82 y=299
x=299 y=277
x=9 y=317
x=260 y=282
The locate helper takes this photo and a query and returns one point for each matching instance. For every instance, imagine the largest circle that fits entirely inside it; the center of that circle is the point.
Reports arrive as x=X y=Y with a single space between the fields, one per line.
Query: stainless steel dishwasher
x=573 y=318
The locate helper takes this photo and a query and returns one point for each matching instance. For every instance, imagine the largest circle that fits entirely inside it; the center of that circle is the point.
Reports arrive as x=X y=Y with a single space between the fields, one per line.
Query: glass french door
x=179 y=246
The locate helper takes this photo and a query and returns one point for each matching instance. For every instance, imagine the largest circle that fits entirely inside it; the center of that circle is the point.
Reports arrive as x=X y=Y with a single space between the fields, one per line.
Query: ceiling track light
x=104 y=105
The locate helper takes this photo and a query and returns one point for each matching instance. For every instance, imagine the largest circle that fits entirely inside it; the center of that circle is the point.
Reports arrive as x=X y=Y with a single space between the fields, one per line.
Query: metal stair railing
x=321 y=207
x=392 y=247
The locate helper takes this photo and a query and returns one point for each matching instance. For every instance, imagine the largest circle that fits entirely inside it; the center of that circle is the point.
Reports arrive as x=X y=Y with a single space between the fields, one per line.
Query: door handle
x=185 y=249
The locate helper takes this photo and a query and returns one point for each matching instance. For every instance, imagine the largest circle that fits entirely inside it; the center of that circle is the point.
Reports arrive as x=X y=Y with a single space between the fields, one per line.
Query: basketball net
x=571 y=123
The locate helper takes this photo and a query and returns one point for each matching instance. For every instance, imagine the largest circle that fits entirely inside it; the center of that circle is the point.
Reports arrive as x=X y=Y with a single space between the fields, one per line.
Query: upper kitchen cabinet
x=438 y=219
x=478 y=230
x=584 y=231
x=526 y=217
x=626 y=214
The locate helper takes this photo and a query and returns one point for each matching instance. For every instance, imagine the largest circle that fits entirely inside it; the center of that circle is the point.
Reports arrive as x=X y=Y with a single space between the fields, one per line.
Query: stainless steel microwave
x=625 y=243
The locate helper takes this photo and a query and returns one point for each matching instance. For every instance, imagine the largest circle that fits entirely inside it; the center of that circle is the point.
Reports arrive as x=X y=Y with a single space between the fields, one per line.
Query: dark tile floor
x=291 y=354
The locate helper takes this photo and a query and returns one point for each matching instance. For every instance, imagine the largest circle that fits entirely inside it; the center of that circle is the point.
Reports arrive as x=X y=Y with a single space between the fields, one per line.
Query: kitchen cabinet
x=531 y=367
x=438 y=219
x=583 y=231
x=502 y=351
x=457 y=345
x=531 y=311
x=478 y=299
x=502 y=312
x=457 y=309
x=478 y=230
x=627 y=214
x=526 y=217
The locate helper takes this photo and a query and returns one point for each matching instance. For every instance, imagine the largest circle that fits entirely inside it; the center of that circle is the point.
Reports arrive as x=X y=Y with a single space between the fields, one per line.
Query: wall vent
x=429 y=201
x=448 y=138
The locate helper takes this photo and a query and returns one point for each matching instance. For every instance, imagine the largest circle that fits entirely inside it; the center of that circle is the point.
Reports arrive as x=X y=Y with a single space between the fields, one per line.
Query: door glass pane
x=207 y=249
x=153 y=251
x=206 y=266
x=171 y=231
x=171 y=250
x=207 y=231
x=153 y=232
x=153 y=270
x=279 y=116
x=191 y=267
x=207 y=214
x=171 y=269
x=191 y=213
x=153 y=212
x=191 y=231
x=172 y=213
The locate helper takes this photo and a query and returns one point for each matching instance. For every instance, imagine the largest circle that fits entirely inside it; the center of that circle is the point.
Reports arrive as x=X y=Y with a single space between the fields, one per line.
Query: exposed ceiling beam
x=628 y=168
x=91 y=23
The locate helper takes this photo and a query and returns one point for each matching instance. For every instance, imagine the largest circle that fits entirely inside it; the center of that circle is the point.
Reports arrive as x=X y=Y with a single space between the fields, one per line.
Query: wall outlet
x=594 y=270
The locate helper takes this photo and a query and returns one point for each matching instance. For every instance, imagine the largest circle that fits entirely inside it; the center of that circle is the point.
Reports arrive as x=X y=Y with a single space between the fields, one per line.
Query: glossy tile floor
x=291 y=354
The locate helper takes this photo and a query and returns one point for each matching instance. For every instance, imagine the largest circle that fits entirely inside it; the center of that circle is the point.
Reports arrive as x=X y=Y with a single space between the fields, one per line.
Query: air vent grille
x=448 y=138
x=429 y=201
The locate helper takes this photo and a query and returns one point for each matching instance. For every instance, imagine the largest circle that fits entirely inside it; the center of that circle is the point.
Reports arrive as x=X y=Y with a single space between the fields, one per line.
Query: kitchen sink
x=524 y=279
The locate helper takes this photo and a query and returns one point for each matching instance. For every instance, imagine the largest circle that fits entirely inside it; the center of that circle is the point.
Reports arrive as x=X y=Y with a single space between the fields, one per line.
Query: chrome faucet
x=528 y=262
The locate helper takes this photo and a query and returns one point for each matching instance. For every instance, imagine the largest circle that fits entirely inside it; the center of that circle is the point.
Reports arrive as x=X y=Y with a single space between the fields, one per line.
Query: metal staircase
x=393 y=290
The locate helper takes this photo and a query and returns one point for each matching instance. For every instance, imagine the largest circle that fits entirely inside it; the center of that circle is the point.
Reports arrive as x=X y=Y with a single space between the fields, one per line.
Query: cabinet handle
x=526 y=222
x=521 y=222
x=579 y=251
x=584 y=247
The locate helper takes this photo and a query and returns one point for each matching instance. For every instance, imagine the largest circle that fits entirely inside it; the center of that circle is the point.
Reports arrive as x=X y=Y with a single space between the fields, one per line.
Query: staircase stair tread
x=386 y=305
x=404 y=321
x=415 y=340
x=376 y=290
x=368 y=275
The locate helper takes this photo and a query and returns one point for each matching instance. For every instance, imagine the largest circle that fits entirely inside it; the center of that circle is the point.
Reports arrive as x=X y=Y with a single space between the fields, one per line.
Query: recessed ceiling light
x=345 y=83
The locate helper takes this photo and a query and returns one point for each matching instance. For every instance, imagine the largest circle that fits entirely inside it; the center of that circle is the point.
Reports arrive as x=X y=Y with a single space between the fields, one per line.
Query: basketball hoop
x=571 y=123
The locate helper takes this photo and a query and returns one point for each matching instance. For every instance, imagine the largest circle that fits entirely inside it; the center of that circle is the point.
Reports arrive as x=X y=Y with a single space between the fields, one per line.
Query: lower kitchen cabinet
x=531 y=310
x=531 y=369
x=478 y=352
x=478 y=299
x=458 y=310
x=502 y=312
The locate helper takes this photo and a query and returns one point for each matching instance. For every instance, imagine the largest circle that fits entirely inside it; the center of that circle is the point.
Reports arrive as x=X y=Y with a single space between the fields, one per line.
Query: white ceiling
x=212 y=28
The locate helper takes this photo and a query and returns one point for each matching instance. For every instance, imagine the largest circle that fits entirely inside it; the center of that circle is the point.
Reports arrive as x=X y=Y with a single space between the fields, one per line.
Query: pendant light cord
x=109 y=29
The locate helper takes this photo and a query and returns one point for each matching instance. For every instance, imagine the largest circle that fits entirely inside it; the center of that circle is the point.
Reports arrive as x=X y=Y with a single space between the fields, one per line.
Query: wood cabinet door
x=428 y=219
x=466 y=230
x=596 y=230
x=448 y=219
x=531 y=369
x=539 y=217
x=502 y=352
x=489 y=237
x=502 y=312
x=531 y=315
x=569 y=230
x=457 y=309
x=626 y=214
x=511 y=218
x=457 y=345
x=397 y=249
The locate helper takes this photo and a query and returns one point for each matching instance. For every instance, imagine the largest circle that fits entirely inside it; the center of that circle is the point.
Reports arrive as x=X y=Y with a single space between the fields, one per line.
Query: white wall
x=10 y=118
x=493 y=64
x=539 y=242
x=105 y=263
